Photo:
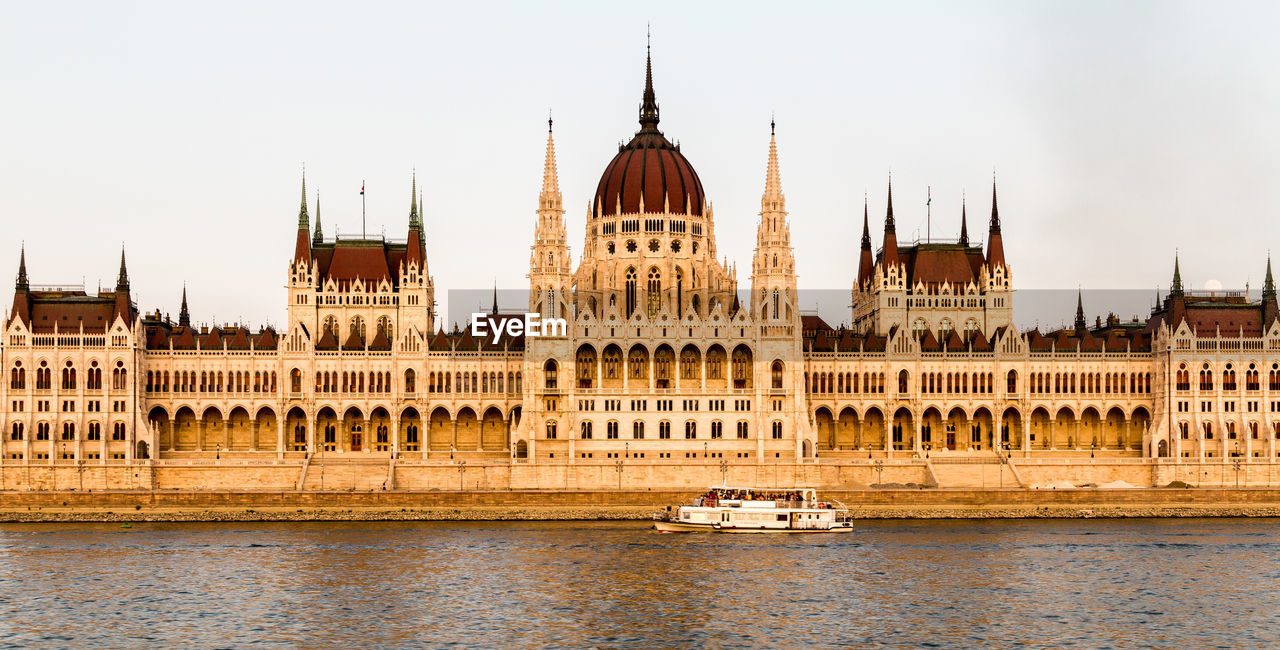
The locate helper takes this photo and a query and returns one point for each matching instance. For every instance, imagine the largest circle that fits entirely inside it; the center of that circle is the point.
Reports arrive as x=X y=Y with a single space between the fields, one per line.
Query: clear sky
x=1120 y=132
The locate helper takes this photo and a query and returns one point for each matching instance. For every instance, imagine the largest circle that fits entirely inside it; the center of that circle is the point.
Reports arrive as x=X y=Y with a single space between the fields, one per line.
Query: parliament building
x=670 y=358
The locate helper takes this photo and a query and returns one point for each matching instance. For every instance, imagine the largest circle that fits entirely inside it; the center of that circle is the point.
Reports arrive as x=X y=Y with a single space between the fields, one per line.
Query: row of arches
x=188 y=381
x=875 y=430
x=70 y=379
x=1206 y=375
x=348 y=430
x=611 y=368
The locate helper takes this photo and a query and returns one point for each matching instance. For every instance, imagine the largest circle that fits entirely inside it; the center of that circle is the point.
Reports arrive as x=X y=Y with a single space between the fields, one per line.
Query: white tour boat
x=751 y=510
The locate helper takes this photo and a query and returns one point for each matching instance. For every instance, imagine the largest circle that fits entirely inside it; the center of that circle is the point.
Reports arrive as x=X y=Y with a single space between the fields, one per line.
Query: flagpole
x=928 y=212
x=362 y=227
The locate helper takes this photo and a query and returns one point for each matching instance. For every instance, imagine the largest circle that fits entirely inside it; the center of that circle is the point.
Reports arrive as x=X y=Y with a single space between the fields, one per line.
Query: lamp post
x=724 y=472
x=462 y=470
x=704 y=449
x=617 y=467
x=879 y=471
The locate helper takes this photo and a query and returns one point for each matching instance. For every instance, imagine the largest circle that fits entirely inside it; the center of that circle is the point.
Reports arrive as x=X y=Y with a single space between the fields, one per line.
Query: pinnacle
x=866 y=229
x=319 y=236
x=995 y=213
x=123 y=279
x=888 y=215
x=303 y=223
x=550 y=179
x=964 y=225
x=773 y=176
x=22 y=284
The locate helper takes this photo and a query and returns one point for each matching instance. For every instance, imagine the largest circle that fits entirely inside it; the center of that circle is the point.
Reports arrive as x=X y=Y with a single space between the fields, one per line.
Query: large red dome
x=649 y=167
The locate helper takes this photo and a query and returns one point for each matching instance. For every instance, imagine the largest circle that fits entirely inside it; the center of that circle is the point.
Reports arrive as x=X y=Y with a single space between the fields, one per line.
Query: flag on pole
x=362 y=189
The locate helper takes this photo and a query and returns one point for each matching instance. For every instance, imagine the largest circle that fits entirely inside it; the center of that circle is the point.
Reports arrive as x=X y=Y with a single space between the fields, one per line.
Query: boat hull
x=680 y=527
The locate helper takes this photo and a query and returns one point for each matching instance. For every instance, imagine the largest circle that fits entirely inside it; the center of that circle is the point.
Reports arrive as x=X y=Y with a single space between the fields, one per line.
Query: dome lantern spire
x=649 y=104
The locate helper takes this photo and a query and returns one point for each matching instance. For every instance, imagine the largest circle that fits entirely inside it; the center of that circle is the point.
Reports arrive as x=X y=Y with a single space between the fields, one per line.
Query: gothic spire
x=888 y=215
x=1176 y=290
x=495 y=297
x=24 y=285
x=1080 y=324
x=1268 y=285
x=995 y=243
x=964 y=224
x=303 y=223
x=184 y=316
x=866 y=229
x=889 y=253
x=773 y=198
x=995 y=211
x=122 y=280
x=649 y=106
x=413 y=201
x=866 y=263
x=319 y=236
x=550 y=197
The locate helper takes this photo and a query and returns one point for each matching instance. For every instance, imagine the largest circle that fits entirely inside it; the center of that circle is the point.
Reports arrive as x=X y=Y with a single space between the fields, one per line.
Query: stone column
x=173 y=434
x=313 y=433
x=280 y=421
x=200 y=434
x=395 y=435
x=916 y=443
x=369 y=437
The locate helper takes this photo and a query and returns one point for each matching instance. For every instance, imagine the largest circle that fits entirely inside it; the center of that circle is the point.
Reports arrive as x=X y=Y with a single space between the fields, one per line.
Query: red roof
x=358 y=262
x=651 y=167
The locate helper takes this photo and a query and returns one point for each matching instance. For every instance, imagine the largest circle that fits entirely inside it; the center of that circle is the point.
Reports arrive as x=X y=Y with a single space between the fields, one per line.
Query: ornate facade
x=666 y=358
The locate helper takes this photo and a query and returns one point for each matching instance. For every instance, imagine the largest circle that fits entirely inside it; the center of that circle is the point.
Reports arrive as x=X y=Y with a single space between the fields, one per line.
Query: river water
x=1176 y=582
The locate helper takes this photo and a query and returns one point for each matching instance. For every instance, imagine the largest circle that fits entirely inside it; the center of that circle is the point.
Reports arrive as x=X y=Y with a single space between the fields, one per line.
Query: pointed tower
x=1175 y=289
x=302 y=250
x=418 y=304
x=773 y=268
x=549 y=264
x=318 y=238
x=414 y=254
x=964 y=224
x=889 y=253
x=995 y=245
x=1270 y=310
x=1080 y=324
x=124 y=306
x=866 y=260
x=184 y=315
x=303 y=271
x=22 y=290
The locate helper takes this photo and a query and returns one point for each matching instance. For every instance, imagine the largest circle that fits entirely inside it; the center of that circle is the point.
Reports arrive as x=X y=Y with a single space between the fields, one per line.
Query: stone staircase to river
x=976 y=471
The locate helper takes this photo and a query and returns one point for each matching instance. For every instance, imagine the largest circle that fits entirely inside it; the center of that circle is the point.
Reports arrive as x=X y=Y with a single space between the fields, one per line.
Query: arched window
x=776 y=428
x=551 y=429
x=776 y=313
x=549 y=370
x=384 y=327
x=631 y=291
x=410 y=381
x=586 y=430
x=903 y=381
x=664 y=430
x=68 y=377
x=637 y=430
x=611 y=429
x=690 y=429
x=17 y=376
x=654 y=292
x=742 y=429
x=1012 y=379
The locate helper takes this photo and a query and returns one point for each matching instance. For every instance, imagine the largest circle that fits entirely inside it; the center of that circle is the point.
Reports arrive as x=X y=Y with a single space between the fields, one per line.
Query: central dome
x=649 y=170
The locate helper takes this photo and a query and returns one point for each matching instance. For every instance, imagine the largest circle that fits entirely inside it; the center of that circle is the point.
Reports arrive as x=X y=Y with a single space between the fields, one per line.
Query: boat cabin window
x=782 y=517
